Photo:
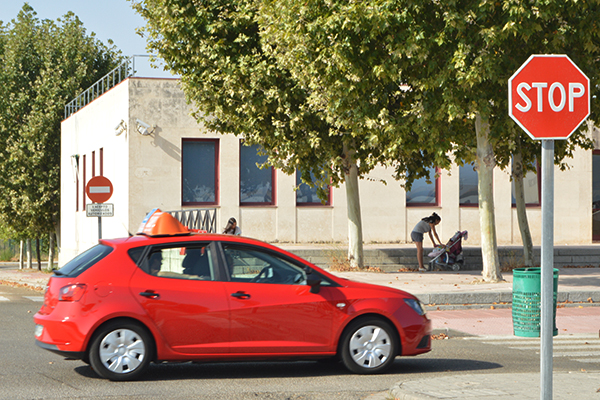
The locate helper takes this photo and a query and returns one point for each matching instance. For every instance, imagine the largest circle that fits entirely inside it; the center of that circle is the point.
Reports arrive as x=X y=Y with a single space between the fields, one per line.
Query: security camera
x=143 y=128
x=120 y=128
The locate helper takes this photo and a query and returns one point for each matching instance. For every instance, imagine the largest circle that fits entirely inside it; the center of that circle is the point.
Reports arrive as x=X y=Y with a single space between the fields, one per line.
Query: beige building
x=140 y=135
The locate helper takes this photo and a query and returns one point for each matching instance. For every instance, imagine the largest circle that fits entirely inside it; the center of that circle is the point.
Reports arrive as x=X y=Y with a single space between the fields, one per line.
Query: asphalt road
x=28 y=372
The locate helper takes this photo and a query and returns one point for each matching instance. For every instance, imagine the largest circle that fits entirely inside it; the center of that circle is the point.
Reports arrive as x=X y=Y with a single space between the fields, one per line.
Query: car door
x=272 y=308
x=179 y=287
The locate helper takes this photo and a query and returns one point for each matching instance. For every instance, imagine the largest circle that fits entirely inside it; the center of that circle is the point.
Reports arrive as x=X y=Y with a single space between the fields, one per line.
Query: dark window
x=469 y=194
x=83 y=261
x=596 y=195
x=84 y=195
x=247 y=264
x=307 y=196
x=199 y=171
x=422 y=192
x=256 y=184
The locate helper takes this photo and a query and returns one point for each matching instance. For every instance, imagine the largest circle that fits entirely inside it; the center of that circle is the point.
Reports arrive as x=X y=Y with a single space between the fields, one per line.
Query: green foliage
x=305 y=80
x=397 y=81
x=478 y=44
x=45 y=64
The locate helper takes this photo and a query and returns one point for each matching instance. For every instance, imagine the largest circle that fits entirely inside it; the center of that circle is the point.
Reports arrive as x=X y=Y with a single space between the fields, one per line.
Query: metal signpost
x=549 y=97
x=99 y=189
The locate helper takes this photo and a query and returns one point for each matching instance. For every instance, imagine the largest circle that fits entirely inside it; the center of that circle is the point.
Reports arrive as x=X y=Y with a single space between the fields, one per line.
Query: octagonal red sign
x=549 y=97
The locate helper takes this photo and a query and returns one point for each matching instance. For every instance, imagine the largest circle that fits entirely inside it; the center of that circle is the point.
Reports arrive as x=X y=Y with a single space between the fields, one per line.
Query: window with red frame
x=596 y=195
x=256 y=184
x=307 y=195
x=424 y=191
x=467 y=185
x=199 y=171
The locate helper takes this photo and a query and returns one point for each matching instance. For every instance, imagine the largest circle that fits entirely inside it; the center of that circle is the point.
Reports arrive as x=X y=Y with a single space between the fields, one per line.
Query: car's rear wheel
x=369 y=346
x=120 y=351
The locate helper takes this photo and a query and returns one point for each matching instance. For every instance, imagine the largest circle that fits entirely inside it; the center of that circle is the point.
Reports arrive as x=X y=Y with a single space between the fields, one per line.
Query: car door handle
x=152 y=295
x=240 y=295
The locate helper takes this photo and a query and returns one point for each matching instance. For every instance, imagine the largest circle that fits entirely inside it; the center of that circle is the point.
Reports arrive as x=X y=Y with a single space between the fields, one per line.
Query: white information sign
x=99 y=210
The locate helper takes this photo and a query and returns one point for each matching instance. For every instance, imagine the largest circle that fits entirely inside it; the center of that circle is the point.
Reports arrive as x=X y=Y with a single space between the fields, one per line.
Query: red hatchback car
x=175 y=295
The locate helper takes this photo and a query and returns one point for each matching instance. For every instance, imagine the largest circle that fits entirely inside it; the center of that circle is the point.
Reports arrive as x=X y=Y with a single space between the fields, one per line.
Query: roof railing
x=197 y=218
x=104 y=84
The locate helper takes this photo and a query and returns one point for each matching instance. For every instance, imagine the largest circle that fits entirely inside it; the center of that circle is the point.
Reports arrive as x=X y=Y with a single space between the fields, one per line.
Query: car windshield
x=83 y=261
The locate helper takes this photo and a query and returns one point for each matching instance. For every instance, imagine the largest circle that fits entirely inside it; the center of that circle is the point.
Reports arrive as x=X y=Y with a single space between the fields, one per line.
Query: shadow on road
x=298 y=369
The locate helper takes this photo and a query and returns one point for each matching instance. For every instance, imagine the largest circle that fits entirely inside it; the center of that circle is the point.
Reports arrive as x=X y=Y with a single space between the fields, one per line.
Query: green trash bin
x=526 y=303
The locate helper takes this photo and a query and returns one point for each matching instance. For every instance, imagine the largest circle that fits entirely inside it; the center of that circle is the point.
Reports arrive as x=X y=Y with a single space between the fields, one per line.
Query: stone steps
x=393 y=259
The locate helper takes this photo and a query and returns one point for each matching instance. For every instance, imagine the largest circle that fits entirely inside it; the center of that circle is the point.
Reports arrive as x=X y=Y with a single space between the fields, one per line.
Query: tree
x=243 y=66
x=476 y=46
x=45 y=64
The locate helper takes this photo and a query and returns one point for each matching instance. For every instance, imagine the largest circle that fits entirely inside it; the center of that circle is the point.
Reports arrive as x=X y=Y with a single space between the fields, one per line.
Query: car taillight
x=72 y=292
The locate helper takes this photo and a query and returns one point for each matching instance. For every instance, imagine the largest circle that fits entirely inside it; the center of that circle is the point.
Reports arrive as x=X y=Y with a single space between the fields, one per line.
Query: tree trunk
x=517 y=176
x=21 y=250
x=38 y=254
x=355 y=241
x=29 y=255
x=487 y=221
x=51 y=251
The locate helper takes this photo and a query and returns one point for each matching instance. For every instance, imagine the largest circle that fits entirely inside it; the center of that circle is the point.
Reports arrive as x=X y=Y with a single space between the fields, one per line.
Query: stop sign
x=99 y=189
x=549 y=97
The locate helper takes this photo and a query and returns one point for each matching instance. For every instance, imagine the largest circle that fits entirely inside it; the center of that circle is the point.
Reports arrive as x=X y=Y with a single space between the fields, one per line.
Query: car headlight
x=415 y=305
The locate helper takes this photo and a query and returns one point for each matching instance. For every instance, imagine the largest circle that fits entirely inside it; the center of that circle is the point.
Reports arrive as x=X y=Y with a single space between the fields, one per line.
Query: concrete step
x=394 y=259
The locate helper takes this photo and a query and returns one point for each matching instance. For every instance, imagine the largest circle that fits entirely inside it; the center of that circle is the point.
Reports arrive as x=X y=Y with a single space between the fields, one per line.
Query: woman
x=425 y=225
x=232 y=228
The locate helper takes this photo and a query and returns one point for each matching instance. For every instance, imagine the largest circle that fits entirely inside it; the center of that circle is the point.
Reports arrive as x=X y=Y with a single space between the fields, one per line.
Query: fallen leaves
x=441 y=336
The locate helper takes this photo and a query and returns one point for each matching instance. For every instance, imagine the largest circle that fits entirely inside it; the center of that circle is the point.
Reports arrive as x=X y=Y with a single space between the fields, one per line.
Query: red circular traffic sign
x=549 y=97
x=99 y=189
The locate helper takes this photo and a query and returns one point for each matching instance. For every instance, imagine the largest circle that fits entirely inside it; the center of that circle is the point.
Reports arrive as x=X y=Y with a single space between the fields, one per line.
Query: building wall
x=90 y=129
x=146 y=173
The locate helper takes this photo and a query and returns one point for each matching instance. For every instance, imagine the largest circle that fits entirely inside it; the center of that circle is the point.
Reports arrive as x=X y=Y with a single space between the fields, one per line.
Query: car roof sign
x=158 y=223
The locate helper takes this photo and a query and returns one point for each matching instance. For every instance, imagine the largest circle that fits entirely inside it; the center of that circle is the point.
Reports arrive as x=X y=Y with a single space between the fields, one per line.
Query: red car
x=169 y=294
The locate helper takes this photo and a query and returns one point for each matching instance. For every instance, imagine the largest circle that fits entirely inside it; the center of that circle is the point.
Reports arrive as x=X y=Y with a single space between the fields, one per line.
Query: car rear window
x=83 y=261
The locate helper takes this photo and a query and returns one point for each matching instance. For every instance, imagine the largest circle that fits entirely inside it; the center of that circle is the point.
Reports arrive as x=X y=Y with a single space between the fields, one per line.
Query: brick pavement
x=570 y=320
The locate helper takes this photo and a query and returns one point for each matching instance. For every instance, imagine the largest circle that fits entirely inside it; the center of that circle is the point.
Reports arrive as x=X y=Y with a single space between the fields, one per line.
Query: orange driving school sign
x=99 y=189
x=549 y=97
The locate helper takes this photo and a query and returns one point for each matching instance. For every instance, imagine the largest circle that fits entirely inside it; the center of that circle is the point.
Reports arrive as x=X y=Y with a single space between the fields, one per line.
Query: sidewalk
x=438 y=290
x=525 y=386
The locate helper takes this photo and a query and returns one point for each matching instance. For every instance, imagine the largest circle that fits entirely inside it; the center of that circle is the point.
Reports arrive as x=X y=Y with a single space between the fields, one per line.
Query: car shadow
x=292 y=369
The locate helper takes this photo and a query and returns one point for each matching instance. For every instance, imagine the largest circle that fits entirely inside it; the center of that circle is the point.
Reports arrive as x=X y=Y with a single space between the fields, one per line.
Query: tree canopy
x=326 y=84
x=468 y=50
x=322 y=94
x=44 y=65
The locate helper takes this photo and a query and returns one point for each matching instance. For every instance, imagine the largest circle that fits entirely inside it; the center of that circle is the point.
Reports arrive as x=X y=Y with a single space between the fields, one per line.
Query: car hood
x=348 y=283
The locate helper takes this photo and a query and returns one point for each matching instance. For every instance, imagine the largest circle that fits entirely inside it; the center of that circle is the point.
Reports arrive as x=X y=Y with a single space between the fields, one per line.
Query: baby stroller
x=449 y=256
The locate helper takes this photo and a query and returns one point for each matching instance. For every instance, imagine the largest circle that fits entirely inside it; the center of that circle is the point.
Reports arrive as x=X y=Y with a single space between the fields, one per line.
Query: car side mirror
x=315 y=285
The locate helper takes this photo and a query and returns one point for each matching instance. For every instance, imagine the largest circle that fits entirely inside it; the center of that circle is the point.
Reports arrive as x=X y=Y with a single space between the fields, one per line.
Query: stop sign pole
x=549 y=97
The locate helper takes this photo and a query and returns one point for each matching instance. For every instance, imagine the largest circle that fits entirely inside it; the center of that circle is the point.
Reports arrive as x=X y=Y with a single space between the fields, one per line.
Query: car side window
x=180 y=262
x=247 y=264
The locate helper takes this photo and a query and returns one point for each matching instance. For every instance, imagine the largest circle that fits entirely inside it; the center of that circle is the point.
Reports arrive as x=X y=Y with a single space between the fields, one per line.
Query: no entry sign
x=99 y=189
x=549 y=97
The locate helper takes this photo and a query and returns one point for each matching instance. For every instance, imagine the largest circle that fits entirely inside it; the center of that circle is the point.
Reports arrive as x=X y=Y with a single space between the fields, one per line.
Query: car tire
x=120 y=351
x=369 y=346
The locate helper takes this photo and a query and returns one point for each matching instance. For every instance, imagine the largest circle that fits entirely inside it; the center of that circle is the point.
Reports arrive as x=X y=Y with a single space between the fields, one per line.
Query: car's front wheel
x=120 y=351
x=369 y=346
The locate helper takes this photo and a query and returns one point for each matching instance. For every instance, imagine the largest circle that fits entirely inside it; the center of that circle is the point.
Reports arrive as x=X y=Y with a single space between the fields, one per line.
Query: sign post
x=549 y=97
x=99 y=189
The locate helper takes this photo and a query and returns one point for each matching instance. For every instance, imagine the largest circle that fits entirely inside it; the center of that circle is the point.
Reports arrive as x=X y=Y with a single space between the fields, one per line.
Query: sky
x=109 y=19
